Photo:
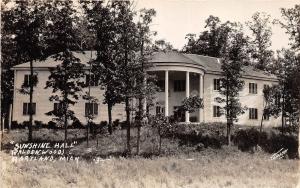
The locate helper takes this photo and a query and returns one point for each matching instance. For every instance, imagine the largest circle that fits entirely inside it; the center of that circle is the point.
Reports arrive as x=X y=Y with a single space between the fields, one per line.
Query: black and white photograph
x=150 y=94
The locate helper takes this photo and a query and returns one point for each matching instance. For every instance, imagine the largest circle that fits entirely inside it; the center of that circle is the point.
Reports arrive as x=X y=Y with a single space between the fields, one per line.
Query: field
x=225 y=167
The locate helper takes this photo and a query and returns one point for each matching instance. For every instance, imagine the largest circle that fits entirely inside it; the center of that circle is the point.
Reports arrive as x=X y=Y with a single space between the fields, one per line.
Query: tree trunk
x=140 y=119
x=128 y=124
x=30 y=102
x=261 y=123
x=109 y=108
x=65 y=116
x=262 y=118
x=88 y=133
x=283 y=114
x=159 y=132
x=227 y=117
x=229 y=132
x=299 y=134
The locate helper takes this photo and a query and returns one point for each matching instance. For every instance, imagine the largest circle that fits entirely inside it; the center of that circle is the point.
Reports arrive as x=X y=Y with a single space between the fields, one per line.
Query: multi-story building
x=179 y=76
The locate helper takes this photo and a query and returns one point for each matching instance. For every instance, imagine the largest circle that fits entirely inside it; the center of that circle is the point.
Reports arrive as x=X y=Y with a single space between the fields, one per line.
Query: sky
x=176 y=18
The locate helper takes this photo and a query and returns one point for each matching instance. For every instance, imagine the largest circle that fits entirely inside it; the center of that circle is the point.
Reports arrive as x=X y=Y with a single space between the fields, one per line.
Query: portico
x=187 y=92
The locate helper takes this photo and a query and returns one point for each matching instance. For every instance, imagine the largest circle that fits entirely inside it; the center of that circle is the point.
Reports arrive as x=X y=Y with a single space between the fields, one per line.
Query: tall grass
x=226 y=167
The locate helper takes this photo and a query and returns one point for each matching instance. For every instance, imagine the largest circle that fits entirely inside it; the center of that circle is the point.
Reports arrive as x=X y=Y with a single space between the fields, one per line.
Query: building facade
x=178 y=76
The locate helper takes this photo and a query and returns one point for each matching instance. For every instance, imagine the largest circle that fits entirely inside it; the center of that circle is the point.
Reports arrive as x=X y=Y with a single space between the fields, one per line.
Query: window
x=91 y=109
x=160 y=110
x=252 y=113
x=26 y=107
x=27 y=79
x=217 y=111
x=57 y=108
x=92 y=79
x=161 y=85
x=253 y=88
x=179 y=85
x=217 y=83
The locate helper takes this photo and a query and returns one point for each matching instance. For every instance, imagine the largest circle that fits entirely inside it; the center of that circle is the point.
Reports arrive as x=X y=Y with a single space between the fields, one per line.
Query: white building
x=179 y=76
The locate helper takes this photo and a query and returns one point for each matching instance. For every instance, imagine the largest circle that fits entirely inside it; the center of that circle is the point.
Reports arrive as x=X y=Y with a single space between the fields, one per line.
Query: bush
x=210 y=135
x=77 y=125
x=16 y=125
x=275 y=142
x=246 y=139
x=123 y=125
x=25 y=124
x=52 y=125
x=116 y=124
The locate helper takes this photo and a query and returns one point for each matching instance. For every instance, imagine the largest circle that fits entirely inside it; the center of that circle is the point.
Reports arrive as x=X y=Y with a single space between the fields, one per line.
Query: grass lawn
x=225 y=167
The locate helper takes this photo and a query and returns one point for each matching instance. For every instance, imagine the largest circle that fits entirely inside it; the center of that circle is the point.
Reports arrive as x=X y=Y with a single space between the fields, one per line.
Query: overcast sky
x=176 y=18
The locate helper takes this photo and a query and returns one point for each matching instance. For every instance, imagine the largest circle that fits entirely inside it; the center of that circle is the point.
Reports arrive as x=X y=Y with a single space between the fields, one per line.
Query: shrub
x=123 y=125
x=25 y=124
x=210 y=135
x=38 y=124
x=276 y=142
x=116 y=124
x=246 y=139
x=52 y=125
x=77 y=125
x=16 y=125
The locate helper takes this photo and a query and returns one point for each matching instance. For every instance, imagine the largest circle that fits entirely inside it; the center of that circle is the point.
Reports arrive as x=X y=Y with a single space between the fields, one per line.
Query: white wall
x=247 y=99
x=43 y=105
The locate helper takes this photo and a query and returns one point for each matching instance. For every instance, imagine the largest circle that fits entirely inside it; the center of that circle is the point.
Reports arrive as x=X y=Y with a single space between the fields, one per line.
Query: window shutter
x=86 y=109
x=95 y=109
x=255 y=88
x=26 y=80
x=87 y=80
x=255 y=113
x=55 y=108
x=24 y=108
x=33 y=108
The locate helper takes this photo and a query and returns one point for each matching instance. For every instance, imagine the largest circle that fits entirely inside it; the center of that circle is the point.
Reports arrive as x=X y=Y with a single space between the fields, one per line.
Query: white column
x=166 y=93
x=201 y=85
x=187 y=94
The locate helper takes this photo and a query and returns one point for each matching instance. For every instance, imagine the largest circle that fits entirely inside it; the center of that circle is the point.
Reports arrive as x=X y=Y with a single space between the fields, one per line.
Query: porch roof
x=211 y=64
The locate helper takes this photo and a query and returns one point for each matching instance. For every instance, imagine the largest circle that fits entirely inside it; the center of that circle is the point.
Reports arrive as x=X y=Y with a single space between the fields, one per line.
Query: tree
x=102 y=24
x=126 y=58
x=271 y=103
x=66 y=79
x=25 y=25
x=261 y=41
x=191 y=104
x=232 y=64
x=211 y=42
x=162 y=125
x=286 y=69
x=291 y=24
x=145 y=86
x=162 y=45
